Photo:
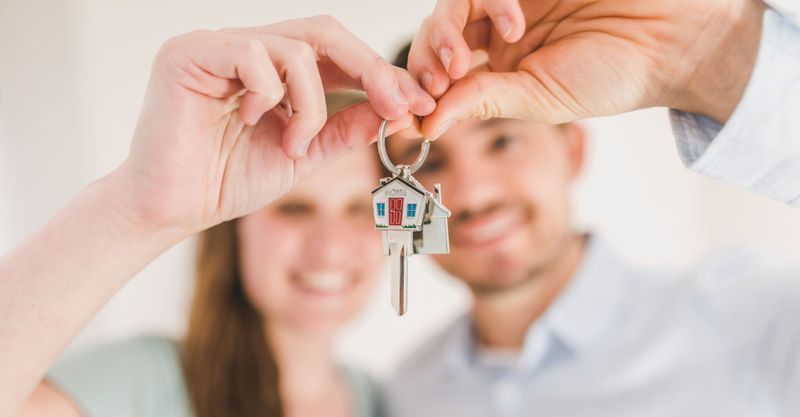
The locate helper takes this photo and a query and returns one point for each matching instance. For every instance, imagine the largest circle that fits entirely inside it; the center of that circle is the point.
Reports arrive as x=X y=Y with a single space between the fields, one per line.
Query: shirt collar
x=585 y=310
x=593 y=301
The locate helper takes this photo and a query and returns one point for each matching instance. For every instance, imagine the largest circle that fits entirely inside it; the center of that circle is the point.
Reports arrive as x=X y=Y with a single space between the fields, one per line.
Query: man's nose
x=471 y=185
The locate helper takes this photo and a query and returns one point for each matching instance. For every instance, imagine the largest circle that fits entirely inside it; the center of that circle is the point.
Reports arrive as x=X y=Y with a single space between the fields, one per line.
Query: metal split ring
x=398 y=169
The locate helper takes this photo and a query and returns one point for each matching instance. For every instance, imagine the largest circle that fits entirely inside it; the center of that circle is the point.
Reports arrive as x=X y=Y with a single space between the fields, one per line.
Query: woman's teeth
x=325 y=282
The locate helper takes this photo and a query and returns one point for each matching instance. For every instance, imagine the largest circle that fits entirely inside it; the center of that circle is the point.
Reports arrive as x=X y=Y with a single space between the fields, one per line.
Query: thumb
x=489 y=95
x=353 y=128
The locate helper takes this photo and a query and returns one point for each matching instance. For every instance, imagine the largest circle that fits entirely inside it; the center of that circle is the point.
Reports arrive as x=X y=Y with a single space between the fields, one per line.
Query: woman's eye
x=294 y=209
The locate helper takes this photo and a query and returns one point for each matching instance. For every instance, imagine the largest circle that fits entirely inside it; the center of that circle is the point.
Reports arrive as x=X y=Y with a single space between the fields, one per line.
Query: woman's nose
x=328 y=241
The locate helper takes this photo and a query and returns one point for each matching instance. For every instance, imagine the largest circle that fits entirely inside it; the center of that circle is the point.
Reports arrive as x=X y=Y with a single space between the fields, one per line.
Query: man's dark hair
x=401 y=59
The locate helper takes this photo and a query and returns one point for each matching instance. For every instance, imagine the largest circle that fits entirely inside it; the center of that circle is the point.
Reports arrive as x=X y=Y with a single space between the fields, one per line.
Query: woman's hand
x=232 y=119
x=557 y=60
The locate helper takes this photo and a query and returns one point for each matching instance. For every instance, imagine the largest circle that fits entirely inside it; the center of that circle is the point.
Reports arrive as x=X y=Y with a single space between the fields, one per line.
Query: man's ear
x=575 y=140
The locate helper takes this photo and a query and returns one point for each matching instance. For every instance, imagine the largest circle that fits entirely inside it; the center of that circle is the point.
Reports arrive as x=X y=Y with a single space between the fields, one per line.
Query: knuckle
x=327 y=21
x=176 y=43
x=176 y=47
x=304 y=52
x=251 y=47
x=486 y=107
x=318 y=118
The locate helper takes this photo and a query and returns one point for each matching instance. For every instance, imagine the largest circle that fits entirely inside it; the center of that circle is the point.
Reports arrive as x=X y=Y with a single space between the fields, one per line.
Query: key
x=411 y=219
x=399 y=278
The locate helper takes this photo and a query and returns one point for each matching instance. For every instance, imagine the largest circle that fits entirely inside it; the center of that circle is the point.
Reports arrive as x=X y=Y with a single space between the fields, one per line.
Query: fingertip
x=399 y=124
x=424 y=107
x=410 y=132
x=248 y=116
x=296 y=148
x=424 y=64
x=509 y=29
x=385 y=96
x=439 y=129
x=452 y=50
x=421 y=102
x=424 y=103
x=459 y=66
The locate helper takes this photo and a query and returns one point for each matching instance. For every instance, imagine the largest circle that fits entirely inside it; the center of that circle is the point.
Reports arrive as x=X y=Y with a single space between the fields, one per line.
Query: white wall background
x=72 y=76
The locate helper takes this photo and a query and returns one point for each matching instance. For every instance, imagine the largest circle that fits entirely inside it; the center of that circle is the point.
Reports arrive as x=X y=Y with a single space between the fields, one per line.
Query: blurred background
x=72 y=77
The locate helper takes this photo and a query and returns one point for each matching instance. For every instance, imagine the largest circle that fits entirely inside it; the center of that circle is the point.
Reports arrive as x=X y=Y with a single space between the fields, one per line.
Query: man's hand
x=556 y=60
x=232 y=119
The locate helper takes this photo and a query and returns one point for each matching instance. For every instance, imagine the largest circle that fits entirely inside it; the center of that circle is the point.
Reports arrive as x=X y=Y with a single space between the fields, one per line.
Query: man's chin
x=497 y=275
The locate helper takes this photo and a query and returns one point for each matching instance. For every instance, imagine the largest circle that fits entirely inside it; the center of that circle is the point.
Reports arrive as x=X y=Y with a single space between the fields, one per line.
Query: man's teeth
x=328 y=282
x=499 y=226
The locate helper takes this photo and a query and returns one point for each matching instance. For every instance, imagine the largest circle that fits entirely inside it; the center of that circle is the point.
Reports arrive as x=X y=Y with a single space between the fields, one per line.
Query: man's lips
x=488 y=228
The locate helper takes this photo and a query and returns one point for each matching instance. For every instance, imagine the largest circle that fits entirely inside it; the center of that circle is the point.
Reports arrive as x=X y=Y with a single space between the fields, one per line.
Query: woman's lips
x=324 y=283
x=489 y=228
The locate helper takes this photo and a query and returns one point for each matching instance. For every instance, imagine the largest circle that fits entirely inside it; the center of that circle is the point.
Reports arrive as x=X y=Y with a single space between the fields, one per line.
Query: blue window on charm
x=412 y=210
x=381 y=209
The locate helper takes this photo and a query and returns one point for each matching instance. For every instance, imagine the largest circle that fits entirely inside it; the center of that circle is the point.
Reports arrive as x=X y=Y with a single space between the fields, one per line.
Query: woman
x=230 y=121
x=273 y=289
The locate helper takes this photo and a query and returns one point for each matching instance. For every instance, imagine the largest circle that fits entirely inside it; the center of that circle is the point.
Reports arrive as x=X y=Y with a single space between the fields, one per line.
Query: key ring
x=398 y=169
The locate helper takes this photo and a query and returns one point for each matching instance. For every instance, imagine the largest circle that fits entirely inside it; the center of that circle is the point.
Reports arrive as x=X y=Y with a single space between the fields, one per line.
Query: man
x=560 y=326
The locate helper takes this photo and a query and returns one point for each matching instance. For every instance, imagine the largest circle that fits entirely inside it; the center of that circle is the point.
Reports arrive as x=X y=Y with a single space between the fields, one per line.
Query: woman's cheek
x=271 y=249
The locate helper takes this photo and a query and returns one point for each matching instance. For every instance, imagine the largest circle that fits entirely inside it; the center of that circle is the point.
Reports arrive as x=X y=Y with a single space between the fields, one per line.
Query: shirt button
x=508 y=394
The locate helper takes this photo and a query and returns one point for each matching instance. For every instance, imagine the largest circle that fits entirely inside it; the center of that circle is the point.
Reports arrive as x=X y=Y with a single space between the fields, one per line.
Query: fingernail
x=252 y=119
x=503 y=25
x=426 y=80
x=426 y=98
x=398 y=97
x=446 y=55
x=302 y=148
x=444 y=127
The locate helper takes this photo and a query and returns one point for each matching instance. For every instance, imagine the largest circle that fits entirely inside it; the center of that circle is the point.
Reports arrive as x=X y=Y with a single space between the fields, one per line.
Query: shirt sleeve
x=759 y=147
x=134 y=378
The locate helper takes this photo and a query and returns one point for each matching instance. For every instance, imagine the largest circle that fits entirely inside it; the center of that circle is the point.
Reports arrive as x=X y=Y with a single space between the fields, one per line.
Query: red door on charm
x=395 y=211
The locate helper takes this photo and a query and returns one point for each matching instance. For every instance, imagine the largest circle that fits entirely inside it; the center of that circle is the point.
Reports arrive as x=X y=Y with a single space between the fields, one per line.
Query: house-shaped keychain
x=411 y=219
x=403 y=205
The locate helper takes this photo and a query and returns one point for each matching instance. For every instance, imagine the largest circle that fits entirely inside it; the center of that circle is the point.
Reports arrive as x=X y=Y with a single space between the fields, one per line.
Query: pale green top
x=142 y=377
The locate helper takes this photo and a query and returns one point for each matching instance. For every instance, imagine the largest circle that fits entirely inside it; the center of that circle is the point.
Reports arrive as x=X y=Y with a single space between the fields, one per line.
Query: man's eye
x=502 y=142
x=361 y=210
x=294 y=209
x=431 y=166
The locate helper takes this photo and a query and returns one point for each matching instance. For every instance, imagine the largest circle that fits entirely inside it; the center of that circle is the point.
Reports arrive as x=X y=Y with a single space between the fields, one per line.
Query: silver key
x=411 y=218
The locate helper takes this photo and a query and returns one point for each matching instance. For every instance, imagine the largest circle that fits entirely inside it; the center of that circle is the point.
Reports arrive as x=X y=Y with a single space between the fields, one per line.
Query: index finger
x=380 y=80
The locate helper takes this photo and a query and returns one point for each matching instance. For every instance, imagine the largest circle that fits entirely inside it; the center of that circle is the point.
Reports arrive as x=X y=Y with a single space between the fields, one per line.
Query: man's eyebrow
x=489 y=123
x=410 y=152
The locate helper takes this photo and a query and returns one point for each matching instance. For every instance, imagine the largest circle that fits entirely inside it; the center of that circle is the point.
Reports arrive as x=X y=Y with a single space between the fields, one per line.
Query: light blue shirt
x=759 y=147
x=719 y=340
